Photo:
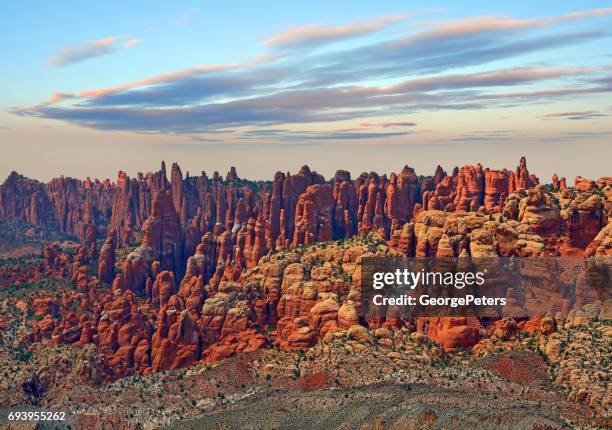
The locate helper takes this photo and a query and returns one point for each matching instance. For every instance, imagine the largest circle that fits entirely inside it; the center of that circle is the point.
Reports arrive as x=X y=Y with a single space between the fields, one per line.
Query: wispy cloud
x=495 y=136
x=577 y=136
x=305 y=135
x=163 y=79
x=349 y=135
x=189 y=106
x=578 y=115
x=316 y=35
x=91 y=49
x=497 y=78
x=484 y=24
x=389 y=124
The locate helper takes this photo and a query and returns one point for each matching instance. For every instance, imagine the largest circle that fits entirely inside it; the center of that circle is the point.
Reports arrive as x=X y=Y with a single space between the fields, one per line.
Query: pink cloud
x=461 y=27
x=315 y=35
x=91 y=49
x=164 y=78
x=57 y=97
x=495 y=78
x=159 y=79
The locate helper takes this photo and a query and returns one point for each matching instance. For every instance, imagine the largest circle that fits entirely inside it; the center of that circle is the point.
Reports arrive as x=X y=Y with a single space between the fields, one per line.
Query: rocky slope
x=366 y=379
x=298 y=310
x=190 y=272
x=149 y=321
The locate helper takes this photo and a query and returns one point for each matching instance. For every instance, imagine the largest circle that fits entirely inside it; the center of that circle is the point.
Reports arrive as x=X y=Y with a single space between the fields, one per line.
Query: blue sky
x=354 y=85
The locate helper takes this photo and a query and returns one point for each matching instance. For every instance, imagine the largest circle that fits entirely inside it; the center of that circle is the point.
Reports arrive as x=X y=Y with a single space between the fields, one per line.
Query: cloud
x=312 y=105
x=491 y=139
x=484 y=24
x=389 y=124
x=193 y=86
x=316 y=35
x=311 y=36
x=91 y=49
x=578 y=115
x=249 y=86
x=578 y=135
x=58 y=97
x=162 y=79
x=494 y=136
x=420 y=71
x=348 y=136
x=265 y=132
x=496 y=78
x=394 y=59
x=305 y=135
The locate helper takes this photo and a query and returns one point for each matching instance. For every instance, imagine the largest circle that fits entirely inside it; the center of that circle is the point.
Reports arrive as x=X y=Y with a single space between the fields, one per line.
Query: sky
x=91 y=88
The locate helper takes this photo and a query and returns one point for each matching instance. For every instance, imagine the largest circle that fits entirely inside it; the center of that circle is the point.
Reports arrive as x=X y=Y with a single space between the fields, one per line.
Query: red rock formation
x=370 y=203
x=450 y=332
x=163 y=289
x=245 y=341
x=439 y=175
x=555 y=182
x=296 y=335
x=584 y=217
x=25 y=199
x=89 y=242
x=176 y=182
x=496 y=189
x=470 y=188
x=442 y=198
x=61 y=203
x=258 y=249
x=106 y=262
x=602 y=243
x=162 y=241
x=313 y=215
x=145 y=323
x=175 y=344
x=408 y=194
x=538 y=211
x=523 y=179
x=293 y=187
x=584 y=184
x=345 y=199
x=604 y=181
